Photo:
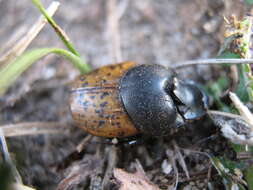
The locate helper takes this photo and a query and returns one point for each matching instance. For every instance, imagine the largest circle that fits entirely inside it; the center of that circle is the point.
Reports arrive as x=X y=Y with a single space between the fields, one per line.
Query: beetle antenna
x=190 y=63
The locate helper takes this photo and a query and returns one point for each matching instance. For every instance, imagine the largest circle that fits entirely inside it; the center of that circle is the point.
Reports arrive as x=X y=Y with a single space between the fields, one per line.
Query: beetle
x=128 y=99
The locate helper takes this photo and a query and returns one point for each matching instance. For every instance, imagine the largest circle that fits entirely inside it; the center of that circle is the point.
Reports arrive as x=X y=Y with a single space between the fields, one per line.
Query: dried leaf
x=135 y=181
x=79 y=172
x=233 y=127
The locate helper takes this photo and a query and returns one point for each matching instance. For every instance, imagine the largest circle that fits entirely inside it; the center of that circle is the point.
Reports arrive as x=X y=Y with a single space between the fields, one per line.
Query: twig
x=171 y=156
x=8 y=160
x=114 y=47
x=113 y=31
x=181 y=159
x=139 y=169
x=111 y=163
x=32 y=128
x=97 y=175
x=176 y=183
x=190 y=63
x=202 y=153
x=99 y=148
x=96 y=178
x=209 y=173
x=196 y=152
x=23 y=43
x=194 y=176
x=225 y=114
x=83 y=143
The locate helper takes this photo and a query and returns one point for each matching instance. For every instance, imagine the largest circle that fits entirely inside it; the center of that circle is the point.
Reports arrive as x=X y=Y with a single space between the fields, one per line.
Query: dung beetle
x=128 y=99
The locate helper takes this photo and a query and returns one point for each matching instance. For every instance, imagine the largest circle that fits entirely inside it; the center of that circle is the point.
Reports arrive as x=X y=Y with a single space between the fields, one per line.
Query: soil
x=159 y=32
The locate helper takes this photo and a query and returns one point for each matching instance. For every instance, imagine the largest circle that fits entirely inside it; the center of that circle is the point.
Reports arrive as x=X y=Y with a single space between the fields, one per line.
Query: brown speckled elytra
x=126 y=99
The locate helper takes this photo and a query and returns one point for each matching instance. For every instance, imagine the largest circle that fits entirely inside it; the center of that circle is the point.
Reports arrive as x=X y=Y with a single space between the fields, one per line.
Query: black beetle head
x=156 y=102
x=192 y=102
x=147 y=102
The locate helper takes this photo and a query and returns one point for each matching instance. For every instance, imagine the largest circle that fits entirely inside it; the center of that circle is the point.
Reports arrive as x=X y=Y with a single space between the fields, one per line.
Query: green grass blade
x=57 y=29
x=10 y=72
x=249 y=177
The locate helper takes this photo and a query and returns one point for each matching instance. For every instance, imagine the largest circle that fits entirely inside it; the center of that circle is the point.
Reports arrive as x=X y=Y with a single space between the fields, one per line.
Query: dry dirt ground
x=160 y=31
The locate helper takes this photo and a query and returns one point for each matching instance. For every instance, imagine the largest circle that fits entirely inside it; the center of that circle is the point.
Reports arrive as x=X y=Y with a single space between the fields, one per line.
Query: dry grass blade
x=190 y=63
x=23 y=43
x=17 y=186
x=244 y=111
x=32 y=128
x=14 y=38
x=8 y=160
